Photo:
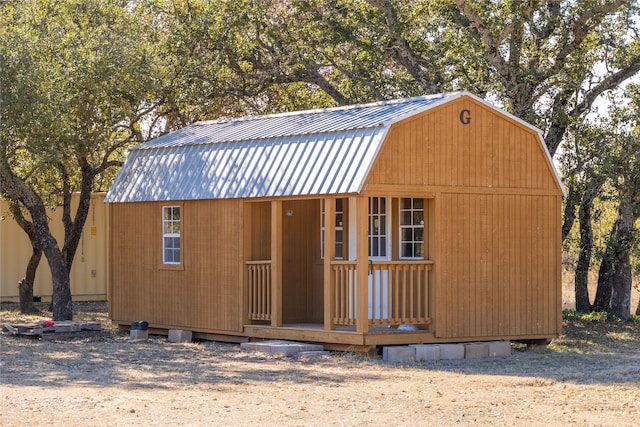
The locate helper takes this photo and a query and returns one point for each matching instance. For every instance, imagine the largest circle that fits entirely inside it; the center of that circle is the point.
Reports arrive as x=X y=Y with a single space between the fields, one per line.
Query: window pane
x=407 y=250
x=418 y=217
x=419 y=234
x=419 y=251
x=418 y=203
x=405 y=203
x=407 y=235
x=406 y=218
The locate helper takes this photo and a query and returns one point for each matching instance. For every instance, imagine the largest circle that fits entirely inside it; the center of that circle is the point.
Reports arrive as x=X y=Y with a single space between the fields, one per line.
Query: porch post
x=276 y=263
x=362 y=264
x=329 y=255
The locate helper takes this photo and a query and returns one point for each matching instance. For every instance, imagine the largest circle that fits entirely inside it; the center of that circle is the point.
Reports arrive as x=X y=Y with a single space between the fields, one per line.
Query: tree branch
x=483 y=33
x=402 y=52
x=585 y=23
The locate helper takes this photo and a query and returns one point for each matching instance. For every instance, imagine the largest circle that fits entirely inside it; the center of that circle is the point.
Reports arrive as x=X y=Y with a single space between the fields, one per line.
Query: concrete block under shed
x=289 y=348
x=399 y=354
x=451 y=351
x=499 y=348
x=137 y=334
x=426 y=352
x=476 y=350
x=178 y=335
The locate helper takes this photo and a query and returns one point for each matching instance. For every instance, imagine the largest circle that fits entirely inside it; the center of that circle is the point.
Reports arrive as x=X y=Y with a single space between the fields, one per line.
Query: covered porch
x=320 y=248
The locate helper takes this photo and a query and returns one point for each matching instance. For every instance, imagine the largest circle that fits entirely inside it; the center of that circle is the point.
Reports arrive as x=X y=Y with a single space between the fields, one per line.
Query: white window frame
x=169 y=232
x=382 y=217
x=339 y=227
x=411 y=226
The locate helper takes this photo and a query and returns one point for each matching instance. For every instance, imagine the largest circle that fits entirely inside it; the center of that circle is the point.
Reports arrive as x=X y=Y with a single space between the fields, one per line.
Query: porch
x=392 y=304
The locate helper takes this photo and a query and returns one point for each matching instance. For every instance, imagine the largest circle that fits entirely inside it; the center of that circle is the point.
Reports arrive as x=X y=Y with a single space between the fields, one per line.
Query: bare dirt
x=589 y=376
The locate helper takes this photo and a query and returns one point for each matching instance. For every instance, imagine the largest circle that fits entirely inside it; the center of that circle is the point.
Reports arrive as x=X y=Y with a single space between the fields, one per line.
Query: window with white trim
x=378 y=238
x=171 y=234
x=339 y=239
x=411 y=228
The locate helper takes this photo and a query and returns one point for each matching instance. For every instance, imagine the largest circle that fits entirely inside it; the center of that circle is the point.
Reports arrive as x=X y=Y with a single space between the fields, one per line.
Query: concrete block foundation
x=451 y=351
x=178 y=335
x=476 y=350
x=137 y=334
x=399 y=354
x=288 y=348
x=426 y=352
x=499 y=348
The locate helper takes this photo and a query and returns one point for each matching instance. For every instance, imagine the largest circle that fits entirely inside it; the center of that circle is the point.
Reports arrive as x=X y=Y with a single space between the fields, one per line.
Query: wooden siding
x=435 y=149
x=498 y=266
x=204 y=293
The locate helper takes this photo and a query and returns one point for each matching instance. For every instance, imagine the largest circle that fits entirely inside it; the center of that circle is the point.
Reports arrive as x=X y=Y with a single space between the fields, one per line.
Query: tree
x=582 y=165
x=623 y=159
x=77 y=79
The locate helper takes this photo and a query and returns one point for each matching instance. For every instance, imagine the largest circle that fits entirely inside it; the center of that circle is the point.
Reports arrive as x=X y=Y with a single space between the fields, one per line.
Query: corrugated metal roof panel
x=331 y=163
x=299 y=123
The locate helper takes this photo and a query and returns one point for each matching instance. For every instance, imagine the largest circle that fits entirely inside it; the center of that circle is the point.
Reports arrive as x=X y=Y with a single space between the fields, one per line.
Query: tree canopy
x=77 y=79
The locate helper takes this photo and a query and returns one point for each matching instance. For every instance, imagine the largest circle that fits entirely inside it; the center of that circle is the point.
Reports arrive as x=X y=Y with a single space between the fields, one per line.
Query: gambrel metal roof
x=316 y=152
x=326 y=151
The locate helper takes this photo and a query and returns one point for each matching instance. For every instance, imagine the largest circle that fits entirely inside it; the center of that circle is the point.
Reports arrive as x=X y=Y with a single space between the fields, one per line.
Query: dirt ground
x=589 y=376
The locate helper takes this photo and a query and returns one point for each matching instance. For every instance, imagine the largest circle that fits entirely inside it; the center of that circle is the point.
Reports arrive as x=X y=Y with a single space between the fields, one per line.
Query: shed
x=419 y=220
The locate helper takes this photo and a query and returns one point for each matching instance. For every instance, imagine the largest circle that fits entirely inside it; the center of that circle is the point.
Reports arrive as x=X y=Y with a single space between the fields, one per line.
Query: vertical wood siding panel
x=485 y=290
x=496 y=258
x=448 y=255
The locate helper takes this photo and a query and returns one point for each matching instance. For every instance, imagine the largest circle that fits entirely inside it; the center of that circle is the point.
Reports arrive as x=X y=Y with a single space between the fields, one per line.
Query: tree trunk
x=615 y=280
x=602 y=301
x=621 y=289
x=25 y=286
x=581 y=280
x=18 y=190
x=569 y=216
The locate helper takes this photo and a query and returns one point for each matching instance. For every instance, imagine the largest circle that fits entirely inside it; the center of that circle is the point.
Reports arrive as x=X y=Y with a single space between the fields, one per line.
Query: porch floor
x=343 y=335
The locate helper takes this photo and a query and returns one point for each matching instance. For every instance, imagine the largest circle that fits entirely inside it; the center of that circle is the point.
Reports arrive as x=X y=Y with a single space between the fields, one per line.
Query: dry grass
x=589 y=376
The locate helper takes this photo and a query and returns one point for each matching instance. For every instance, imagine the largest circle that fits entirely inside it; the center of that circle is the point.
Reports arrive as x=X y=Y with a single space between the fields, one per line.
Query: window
x=339 y=228
x=411 y=228
x=171 y=235
x=378 y=227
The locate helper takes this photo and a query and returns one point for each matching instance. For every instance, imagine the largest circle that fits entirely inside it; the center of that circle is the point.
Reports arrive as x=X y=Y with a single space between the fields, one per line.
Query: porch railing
x=398 y=292
x=259 y=280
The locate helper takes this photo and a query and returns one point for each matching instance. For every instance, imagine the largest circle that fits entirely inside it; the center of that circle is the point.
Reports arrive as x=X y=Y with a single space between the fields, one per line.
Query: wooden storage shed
x=427 y=219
